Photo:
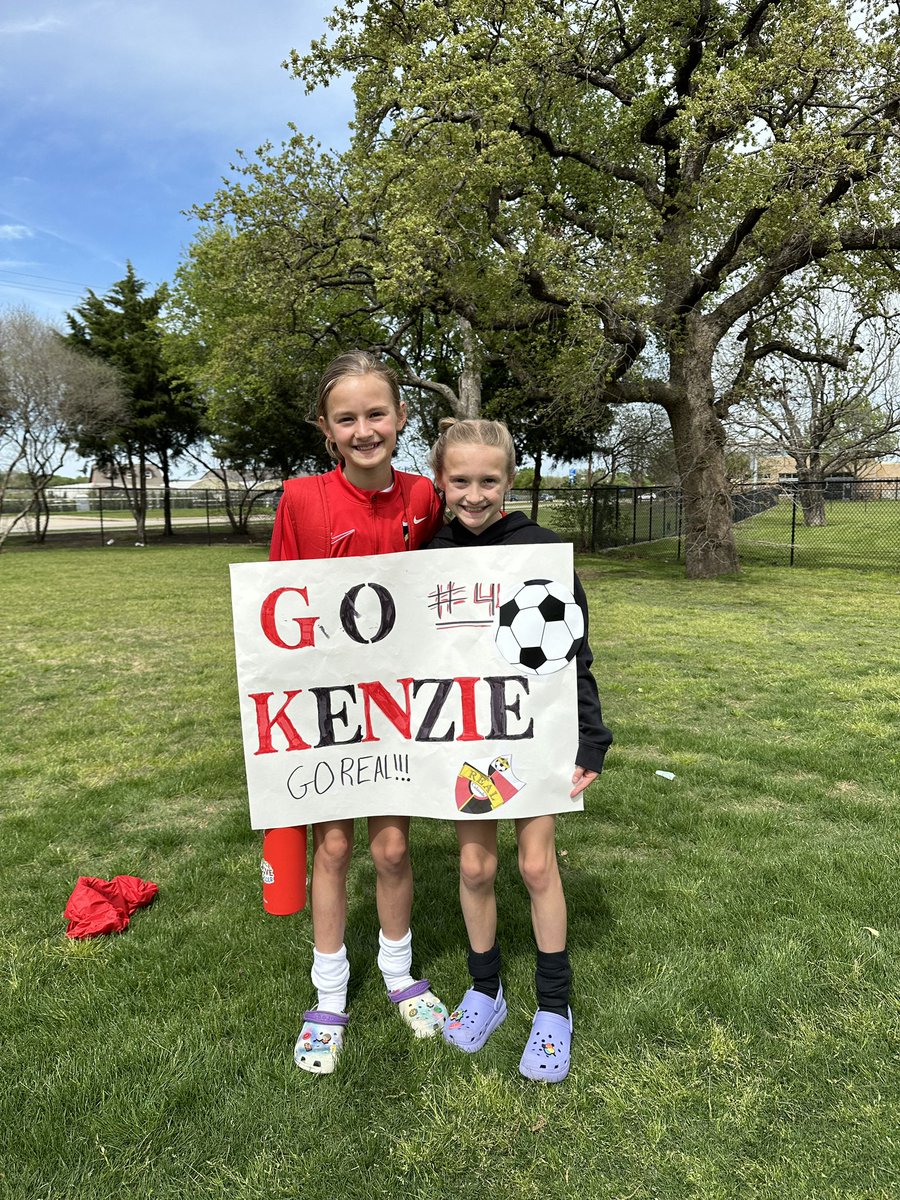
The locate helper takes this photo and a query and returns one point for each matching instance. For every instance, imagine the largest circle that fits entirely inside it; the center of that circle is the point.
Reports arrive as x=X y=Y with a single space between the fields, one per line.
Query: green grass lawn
x=734 y=931
x=857 y=533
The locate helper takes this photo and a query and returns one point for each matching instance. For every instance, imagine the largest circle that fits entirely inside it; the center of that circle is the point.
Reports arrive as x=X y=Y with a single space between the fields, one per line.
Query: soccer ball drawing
x=540 y=628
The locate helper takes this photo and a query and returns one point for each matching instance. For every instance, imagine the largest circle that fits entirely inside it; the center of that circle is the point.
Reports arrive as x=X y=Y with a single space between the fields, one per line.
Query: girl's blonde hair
x=472 y=432
x=354 y=363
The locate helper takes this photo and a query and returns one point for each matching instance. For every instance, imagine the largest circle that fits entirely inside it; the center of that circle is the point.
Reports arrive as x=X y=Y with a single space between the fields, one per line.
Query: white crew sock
x=395 y=961
x=330 y=976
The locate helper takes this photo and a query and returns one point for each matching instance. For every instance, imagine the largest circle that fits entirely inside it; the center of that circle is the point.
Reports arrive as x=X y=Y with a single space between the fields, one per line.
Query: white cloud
x=208 y=67
x=116 y=117
x=41 y=25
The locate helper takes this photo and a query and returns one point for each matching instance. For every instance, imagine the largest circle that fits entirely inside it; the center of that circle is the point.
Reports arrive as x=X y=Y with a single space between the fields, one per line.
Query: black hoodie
x=515 y=529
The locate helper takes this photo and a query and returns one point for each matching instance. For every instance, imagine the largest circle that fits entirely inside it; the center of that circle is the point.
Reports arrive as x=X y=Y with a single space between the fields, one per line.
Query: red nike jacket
x=325 y=516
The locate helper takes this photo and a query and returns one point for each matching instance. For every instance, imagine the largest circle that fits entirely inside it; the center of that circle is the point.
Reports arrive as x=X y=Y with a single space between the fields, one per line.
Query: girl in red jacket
x=363 y=506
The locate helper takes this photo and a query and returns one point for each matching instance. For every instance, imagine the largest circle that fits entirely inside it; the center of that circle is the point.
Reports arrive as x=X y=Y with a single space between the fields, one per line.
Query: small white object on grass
x=139 y=543
x=666 y=774
x=111 y=542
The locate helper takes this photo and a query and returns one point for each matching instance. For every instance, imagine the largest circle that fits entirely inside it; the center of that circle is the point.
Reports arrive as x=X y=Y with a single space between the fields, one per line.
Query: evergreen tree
x=162 y=416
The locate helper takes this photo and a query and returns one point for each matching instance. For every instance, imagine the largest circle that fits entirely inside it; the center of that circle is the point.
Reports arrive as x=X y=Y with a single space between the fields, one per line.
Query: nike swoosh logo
x=419 y=520
x=336 y=537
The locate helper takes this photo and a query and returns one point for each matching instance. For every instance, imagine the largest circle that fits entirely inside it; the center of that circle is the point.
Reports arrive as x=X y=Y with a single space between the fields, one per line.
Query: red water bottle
x=283 y=869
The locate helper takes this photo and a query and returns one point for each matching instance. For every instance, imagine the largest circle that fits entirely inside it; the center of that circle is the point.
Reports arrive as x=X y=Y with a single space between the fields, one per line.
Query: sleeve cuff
x=590 y=757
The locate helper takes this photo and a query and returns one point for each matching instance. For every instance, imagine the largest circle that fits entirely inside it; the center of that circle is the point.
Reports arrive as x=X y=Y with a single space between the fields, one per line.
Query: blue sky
x=118 y=115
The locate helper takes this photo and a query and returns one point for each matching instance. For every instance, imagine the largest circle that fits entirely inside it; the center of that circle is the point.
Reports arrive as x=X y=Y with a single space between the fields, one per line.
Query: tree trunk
x=234 y=518
x=235 y=507
x=710 y=548
x=140 y=499
x=31 y=517
x=536 y=485
x=245 y=507
x=470 y=379
x=167 y=495
x=42 y=516
x=811 y=494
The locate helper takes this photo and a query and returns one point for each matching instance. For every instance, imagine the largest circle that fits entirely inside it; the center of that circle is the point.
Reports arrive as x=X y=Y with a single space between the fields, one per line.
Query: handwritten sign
x=436 y=684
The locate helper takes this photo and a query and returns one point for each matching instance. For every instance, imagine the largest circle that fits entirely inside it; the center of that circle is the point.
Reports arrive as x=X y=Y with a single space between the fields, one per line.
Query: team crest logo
x=481 y=792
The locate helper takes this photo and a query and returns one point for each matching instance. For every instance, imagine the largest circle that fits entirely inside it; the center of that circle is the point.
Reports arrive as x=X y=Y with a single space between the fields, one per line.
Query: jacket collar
x=494 y=534
x=361 y=493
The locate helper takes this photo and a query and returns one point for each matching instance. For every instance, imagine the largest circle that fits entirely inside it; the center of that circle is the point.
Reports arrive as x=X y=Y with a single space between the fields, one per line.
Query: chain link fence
x=839 y=523
x=605 y=518
x=842 y=523
x=103 y=516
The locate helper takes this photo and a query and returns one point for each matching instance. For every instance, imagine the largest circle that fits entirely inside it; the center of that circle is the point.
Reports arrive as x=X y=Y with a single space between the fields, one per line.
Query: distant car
x=647 y=496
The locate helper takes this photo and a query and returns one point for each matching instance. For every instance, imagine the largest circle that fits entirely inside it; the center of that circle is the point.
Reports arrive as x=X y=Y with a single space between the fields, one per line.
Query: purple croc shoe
x=548 y=1049
x=470 y=1025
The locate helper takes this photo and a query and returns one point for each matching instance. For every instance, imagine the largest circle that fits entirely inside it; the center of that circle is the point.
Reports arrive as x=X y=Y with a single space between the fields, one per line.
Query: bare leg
x=482 y=1009
x=332 y=848
x=477 y=873
x=389 y=845
x=540 y=874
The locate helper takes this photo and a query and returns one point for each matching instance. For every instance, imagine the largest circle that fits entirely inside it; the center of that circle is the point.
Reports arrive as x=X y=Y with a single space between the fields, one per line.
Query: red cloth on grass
x=105 y=905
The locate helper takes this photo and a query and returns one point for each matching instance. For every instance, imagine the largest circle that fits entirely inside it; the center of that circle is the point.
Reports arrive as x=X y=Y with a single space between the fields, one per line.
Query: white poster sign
x=436 y=684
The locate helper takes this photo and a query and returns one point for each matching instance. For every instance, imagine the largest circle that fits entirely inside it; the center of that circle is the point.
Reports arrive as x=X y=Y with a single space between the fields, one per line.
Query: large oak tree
x=655 y=170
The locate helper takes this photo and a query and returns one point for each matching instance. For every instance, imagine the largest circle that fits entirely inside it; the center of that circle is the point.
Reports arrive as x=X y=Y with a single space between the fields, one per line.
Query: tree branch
x=600 y=79
x=601 y=165
x=797 y=251
x=839 y=361
x=709 y=277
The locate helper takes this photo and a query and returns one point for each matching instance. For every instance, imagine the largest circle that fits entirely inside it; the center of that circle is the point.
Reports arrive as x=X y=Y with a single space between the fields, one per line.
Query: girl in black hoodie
x=474 y=466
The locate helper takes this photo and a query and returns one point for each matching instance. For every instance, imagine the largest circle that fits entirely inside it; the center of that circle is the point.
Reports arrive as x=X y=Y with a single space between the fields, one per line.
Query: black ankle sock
x=485 y=971
x=553 y=981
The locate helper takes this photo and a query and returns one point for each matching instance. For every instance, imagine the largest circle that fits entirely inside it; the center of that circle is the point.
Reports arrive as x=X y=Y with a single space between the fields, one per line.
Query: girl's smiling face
x=363 y=420
x=474 y=481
